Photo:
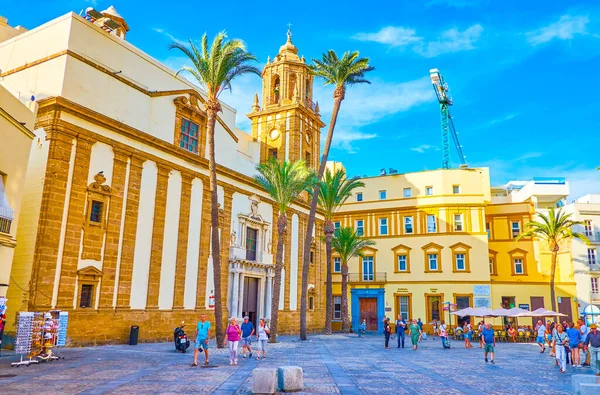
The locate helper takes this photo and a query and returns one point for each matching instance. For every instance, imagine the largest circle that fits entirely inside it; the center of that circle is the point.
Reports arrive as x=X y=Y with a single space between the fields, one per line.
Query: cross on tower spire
x=289 y=31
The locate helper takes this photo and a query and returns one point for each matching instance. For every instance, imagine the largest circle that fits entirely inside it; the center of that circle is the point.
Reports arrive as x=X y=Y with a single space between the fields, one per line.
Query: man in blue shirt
x=400 y=328
x=489 y=342
x=247 y=332
x=202 y=336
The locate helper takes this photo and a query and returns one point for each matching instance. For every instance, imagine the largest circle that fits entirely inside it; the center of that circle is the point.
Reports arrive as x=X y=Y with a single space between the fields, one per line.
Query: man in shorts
x=202 y=336
x=489 y=342
x=247 y=332
x=540 y=328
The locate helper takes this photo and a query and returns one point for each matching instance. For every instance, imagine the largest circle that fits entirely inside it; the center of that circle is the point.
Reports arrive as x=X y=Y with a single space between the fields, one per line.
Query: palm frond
x=347 y=70
x=348 y=244
x=334 y=190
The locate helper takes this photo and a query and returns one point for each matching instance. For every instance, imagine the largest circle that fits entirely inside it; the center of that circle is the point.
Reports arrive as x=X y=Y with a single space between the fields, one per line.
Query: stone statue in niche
x=269 y=245
x=233 y=239
x=254 y=201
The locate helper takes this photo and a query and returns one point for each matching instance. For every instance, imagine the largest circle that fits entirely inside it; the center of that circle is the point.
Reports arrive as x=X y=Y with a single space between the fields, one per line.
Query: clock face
x=274 y=134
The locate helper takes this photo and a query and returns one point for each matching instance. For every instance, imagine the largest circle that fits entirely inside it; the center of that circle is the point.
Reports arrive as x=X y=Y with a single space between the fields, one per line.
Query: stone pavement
x=332 y=364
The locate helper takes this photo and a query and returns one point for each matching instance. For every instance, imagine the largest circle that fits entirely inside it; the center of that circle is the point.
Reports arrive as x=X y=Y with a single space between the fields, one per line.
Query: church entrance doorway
x=250 y=301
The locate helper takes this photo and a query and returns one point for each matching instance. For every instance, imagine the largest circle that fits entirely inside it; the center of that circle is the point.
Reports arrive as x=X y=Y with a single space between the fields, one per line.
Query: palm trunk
x=338 y=96
x=212 y=108
x=329 y=230
x=345 y=320
x=281 y=227
x=553 y=273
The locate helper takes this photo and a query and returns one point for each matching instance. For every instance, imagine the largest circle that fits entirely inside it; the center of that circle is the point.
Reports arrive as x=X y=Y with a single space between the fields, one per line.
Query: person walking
x=202 y=336
x=362 y=328
x=387 y=331
x=540 y=328
x=262 y=335
x=436 y=330
x=233 y=338
x=489 y=342
x=584 y=332
x=400 y=328
x=444 y=335
x=574 y=344
x=415 y=334
x=560 y=342
x=592 y=342
x=468 y=332
x=480 y=328
x=247 y=333
x=550 y=332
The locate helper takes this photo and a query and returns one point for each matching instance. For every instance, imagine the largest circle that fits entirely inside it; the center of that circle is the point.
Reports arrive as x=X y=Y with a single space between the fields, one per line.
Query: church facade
x=115 y=221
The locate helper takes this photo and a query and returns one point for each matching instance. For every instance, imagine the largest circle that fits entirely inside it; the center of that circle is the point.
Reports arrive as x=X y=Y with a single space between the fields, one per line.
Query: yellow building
x=16 y=123
x=445 y=237
x=520 y=270
x=431 y=245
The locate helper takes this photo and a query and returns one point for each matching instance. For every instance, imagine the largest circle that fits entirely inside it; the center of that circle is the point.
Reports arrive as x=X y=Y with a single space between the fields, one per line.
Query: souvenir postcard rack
x=38 y=334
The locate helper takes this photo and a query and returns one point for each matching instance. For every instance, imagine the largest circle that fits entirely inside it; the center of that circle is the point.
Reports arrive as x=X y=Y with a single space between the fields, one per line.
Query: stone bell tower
x=287 y=123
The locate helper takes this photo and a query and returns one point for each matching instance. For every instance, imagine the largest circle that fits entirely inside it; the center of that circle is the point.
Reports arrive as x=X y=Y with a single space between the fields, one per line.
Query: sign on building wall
x=482 y=296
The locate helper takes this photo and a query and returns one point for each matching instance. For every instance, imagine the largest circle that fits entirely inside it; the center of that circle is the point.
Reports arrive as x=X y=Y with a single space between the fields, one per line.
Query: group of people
x=567 y=342
x=234 y=334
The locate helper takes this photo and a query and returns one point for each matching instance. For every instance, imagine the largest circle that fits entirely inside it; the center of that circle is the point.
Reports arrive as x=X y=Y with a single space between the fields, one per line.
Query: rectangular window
x=96 y=211
x=492 y=266
x=337 y=265
x=431 y=224
x=429 y=191
x=368 y=269
x=188 y=138
x=359 y=197
x=515 y=229
x=85 y=299
x=488 y=229
x=592 y=256
x=251 y=239
x=383 y=226
x=458 y=222
x=7 y=216
x=432 y=260
x=337 y=308
x=518 y=265
x=402 y=263
x=360 y=227
x=407 y=192
x=456 y=189
x=307 y=158
x=312 y=256
x=588 y=228
x=595 y=284
x=311 y=303
x=337 y=225
x=408 y=225
x=382 y=195
x=460 y=262
x=404 y=309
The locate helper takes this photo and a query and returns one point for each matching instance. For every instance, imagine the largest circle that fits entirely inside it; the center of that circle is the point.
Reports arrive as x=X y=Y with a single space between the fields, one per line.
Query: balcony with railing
x=594 y=237
x=378 y=277
x=595 y=297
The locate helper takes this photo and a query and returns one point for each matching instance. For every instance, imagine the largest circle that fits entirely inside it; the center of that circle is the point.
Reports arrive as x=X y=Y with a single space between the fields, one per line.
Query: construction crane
x=445 y=100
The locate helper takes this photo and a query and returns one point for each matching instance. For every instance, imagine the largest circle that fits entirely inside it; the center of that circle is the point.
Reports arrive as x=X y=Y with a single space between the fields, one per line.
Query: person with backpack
x=400 y=328
x=262 y=335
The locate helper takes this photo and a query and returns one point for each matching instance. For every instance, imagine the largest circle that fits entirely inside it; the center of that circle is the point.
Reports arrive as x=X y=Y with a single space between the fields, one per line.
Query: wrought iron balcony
x=379 y=277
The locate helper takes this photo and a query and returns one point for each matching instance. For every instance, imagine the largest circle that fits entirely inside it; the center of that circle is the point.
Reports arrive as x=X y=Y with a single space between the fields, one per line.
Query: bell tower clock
x=288 y=123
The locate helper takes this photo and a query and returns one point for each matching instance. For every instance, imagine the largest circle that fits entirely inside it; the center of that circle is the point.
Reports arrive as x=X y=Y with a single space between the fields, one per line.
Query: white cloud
x=169 y=36
x=241 y=98
x=424 y=147
x=566 y=28
x=394 y=36
x=452 y=40
x=343 y=139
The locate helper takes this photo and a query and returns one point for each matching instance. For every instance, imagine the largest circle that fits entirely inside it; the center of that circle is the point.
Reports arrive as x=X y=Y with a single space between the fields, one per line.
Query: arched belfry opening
x=275 y=90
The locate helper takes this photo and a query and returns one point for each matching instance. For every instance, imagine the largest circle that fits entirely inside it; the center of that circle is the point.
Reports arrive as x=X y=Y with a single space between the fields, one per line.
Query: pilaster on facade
x=76 y=210
x=129 y=232
x=182 y=244
x=158 y=232
x=205 y=246
x=50 y=223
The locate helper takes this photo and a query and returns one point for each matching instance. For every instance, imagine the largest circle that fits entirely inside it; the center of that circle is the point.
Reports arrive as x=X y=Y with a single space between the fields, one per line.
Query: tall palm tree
x=348 y=245
x=335 y=189
x=215 y=68
x=350 y=69
x=284 y=182
x=555 y=228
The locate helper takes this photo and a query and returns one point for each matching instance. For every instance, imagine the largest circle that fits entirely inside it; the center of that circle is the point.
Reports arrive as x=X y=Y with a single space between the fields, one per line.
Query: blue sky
x=521 y=74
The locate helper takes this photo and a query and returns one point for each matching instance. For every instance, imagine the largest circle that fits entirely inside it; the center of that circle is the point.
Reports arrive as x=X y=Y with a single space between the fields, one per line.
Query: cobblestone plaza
x=335 y=364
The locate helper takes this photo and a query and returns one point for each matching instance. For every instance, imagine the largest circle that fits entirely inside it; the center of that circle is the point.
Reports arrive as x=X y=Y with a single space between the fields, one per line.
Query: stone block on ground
x=290 y=378
x=584 y=383
x=264 y=381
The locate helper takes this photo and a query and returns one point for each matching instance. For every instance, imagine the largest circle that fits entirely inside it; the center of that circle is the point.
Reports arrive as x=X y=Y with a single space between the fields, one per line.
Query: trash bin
x=133 y=335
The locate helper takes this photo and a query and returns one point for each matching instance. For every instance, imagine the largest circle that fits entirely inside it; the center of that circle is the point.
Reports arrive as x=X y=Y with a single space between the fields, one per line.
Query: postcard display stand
x=38 y=334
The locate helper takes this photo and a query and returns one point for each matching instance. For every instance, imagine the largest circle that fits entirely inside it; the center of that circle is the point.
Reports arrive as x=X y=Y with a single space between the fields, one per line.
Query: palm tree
x=555 y=229
x=215 y=68
x=335 y=189
x=284 y=182
x=347 y=70
x=348 y=245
